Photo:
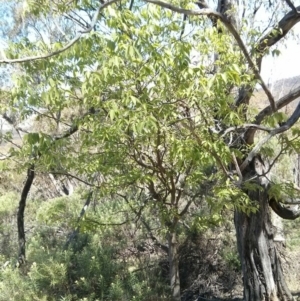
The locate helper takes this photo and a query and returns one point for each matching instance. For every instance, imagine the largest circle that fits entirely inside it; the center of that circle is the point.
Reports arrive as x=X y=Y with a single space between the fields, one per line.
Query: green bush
x=94 y=266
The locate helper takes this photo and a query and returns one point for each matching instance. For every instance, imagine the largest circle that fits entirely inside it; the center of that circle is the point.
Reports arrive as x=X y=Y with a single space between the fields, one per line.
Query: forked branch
x=267 y=111
x=290 y=122
x=291 y=5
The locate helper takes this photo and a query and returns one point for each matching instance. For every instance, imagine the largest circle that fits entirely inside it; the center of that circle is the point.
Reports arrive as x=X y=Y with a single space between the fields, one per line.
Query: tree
x=152 y=119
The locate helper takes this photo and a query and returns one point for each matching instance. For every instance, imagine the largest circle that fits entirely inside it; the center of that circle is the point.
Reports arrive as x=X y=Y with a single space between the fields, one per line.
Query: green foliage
x=8 y=203
x=129 y=112
x=155 y=107
x=92 y=268
x=231 y=259
x=291 y=230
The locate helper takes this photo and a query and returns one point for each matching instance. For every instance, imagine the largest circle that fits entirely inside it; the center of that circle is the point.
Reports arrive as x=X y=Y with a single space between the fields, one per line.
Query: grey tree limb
x=74 y=233
x=277 y=33
x=267 y=111
x=68 y=45
x=291 y=5
x=282 y=211
x=288 y=124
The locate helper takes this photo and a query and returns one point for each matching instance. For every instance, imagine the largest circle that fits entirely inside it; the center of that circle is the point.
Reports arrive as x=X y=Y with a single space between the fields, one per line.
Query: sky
x=286 y=65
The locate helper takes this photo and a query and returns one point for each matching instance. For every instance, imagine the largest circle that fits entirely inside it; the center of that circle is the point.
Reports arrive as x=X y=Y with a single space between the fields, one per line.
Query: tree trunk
x=20 y=215
x=262 y=272
x=174 y=266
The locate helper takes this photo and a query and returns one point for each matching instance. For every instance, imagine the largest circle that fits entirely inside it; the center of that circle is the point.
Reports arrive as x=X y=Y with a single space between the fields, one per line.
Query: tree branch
x=106 y=224
x=292 y=6
x=290 y=122
x=232 y=30
x=201 y=12
x=238 y=170
x=265 y=42
x=283 y=212
x=282 y=102
x=67 y=46
x=74 y=177
x=75 y=232
x=211 y=151
x=277 y=33
x=5 y=157
x=73 y=128
x=267 y=111
x=244 y=127
x=153 y=238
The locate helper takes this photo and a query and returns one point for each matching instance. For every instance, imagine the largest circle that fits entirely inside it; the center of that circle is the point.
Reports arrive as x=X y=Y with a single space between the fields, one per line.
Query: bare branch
x=267 y=111
x=74 y=177
x=291 y=202
x=75 y=20
x=201 y=12
x=282 y=102
x=202 y=4
x=153 y=238
x=75 y=232
x=8 y=119
x=244 y=127
x=284 y=212
x=292 y=6
x=238 y=170
x=67 y=46
x=277 y=33
x=105 y=224
x=186 y=207
x=5 y=157
x=131 y=4
x=211 y=151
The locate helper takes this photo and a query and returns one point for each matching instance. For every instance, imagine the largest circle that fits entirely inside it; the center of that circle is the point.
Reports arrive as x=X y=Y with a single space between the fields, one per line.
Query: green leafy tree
x=152 y=119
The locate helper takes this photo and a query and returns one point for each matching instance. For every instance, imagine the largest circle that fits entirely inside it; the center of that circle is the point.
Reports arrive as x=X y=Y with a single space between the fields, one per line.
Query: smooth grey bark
x=174 y=265
x=74 y=233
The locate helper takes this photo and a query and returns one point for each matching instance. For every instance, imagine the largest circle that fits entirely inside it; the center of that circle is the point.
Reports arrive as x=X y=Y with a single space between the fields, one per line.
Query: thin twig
x=106 y=224
x=74 y=177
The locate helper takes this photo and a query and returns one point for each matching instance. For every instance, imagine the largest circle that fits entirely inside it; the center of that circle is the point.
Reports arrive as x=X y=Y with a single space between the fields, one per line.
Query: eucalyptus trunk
x=263 y=277
x=174 y=265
